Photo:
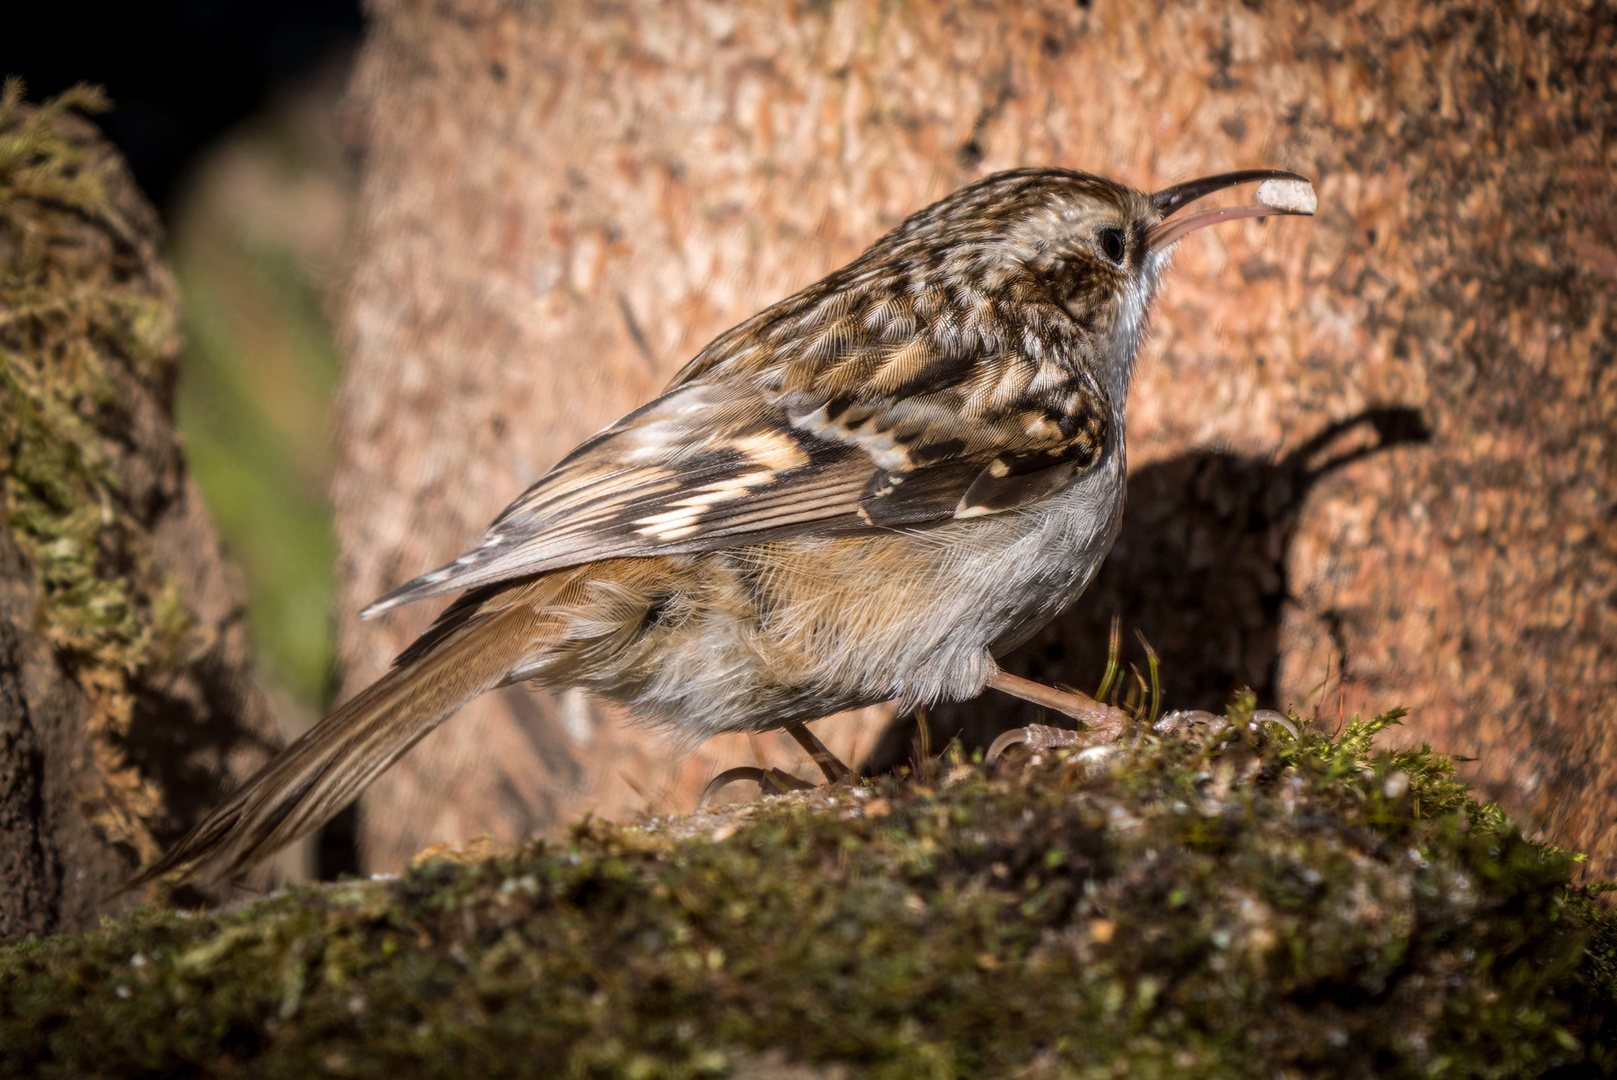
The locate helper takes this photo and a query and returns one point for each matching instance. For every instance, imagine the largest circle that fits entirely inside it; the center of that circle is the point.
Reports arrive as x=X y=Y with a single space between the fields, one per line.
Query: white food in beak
x=1288 y=196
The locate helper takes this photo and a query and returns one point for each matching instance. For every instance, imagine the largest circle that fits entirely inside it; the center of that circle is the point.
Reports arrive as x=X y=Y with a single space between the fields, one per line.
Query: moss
x=77 y=300
x=1216 y=905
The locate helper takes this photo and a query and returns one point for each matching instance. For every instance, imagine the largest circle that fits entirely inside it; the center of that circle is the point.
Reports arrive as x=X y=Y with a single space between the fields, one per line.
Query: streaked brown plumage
x=865 y=492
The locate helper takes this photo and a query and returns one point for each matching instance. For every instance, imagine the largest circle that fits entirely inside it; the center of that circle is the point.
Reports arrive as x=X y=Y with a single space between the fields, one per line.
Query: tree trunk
x=1373 y=460
x=126 y=704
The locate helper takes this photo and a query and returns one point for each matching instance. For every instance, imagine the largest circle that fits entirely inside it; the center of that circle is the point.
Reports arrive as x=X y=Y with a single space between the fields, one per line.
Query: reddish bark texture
x=1374 y=451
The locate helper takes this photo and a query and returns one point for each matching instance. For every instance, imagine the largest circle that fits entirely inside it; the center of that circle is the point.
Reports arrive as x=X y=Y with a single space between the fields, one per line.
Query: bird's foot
x=1101 y=723
x=778 y=781
x=769 y=781
x=1036 y=737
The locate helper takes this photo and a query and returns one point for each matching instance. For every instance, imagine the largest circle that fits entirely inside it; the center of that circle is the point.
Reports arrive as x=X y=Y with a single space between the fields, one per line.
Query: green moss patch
x=1220 y=902
x=79 y=303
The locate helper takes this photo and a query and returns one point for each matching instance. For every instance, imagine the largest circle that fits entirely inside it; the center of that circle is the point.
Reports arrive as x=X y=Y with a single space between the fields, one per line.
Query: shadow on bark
x=1199 y=570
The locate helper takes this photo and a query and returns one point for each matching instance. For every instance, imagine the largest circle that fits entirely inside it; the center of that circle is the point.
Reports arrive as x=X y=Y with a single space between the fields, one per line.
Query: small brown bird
x=865 y=492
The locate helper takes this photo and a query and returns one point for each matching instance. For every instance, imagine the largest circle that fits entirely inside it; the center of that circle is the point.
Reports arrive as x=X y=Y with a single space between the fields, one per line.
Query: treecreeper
x=865 y=492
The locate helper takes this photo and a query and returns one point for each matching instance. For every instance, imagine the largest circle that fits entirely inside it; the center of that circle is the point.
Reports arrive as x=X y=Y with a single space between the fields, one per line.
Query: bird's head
x=1092 y=246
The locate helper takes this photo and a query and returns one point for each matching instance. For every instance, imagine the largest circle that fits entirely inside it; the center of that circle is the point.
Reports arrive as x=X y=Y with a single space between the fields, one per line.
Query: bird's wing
x=842 y=410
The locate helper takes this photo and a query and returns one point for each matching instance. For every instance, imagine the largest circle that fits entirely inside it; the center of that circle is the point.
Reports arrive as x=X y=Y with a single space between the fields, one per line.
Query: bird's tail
x=468 y=651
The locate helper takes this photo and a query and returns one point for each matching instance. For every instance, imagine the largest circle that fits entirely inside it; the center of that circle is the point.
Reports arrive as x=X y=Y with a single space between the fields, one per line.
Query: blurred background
x=229 y=114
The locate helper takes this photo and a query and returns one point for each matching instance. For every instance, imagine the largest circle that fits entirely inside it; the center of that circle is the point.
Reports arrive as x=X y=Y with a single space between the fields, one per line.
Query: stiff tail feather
x=325 y=769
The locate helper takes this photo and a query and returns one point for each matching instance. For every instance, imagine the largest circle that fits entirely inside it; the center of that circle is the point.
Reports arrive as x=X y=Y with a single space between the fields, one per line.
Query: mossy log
x=126 y=701
x=1208 y=900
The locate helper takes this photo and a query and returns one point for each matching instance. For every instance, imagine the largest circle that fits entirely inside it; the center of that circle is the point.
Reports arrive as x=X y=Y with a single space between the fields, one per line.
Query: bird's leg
x=835 y=771
x=1098 y=718
x=923 y=743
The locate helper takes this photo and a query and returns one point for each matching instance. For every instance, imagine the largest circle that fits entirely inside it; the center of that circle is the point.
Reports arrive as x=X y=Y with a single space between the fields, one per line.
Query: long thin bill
x=1280 y=193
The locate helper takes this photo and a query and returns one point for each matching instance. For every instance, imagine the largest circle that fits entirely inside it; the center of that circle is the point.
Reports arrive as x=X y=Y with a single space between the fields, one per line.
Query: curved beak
x=1280 y=193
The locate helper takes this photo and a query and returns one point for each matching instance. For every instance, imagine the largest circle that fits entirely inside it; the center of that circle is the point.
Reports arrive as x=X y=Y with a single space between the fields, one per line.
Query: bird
x=864 y=493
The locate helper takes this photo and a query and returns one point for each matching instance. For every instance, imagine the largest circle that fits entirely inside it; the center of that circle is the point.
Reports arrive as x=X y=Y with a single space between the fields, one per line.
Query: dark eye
x=1111 y=244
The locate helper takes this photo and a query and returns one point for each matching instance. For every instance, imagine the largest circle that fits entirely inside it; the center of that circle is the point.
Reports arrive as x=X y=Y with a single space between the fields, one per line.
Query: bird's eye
x=1111 y=244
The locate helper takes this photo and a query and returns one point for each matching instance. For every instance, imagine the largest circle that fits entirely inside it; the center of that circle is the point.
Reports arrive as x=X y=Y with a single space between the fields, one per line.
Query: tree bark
x=126 y=700
x=1373 y=460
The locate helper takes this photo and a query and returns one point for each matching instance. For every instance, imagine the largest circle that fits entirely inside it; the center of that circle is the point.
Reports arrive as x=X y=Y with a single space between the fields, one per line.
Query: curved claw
x=769 y=781
x=1270 y=716
x=1006 y=740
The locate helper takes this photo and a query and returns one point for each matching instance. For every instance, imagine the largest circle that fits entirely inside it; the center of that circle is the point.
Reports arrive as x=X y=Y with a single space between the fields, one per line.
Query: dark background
x=180 y=73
